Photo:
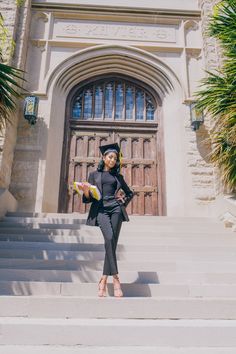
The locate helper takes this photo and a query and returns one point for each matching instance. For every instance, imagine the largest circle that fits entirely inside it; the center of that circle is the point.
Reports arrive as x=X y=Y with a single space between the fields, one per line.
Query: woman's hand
x=85 y=188
x=120 y=196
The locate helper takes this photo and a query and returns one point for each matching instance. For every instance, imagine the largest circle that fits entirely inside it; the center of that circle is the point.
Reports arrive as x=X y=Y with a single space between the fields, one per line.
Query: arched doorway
x=106 y=109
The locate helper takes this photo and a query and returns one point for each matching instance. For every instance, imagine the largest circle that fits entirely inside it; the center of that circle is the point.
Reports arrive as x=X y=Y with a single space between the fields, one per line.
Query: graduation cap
x=109 y=147
x=112 y=147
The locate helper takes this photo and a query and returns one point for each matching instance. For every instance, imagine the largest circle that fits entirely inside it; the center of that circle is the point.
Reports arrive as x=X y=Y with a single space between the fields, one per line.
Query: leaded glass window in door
x=116 y=99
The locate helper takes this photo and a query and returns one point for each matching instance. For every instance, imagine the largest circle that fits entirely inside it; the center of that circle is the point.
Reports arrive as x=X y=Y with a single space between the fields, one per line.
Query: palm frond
x=10 y=91
x=217 y=94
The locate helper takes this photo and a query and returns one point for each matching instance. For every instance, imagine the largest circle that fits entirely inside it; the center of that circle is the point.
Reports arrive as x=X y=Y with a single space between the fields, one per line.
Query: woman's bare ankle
x=117 y=286
x=116 y=277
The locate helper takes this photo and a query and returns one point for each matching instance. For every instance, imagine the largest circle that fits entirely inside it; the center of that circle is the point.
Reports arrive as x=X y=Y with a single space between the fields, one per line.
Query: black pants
x=110 y=220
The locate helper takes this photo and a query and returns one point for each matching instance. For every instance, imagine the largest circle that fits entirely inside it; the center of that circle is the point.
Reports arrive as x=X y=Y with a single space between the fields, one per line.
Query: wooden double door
x=139 y=165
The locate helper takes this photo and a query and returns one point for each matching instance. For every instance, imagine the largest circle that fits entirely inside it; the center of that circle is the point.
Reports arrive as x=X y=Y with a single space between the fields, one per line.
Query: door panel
x=139 y=165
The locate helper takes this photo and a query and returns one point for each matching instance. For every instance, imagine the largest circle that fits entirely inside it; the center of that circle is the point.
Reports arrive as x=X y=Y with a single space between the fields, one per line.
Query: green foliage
x=20 y=2
x=9 y=91
x=9 y=79
x=217 y=93
x=7 y=44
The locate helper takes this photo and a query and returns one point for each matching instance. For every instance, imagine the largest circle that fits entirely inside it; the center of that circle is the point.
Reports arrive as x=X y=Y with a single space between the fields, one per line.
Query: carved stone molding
x=115 y=31
x=39 y=44
x=42 y=16
x=191 y=25
x=193 y=54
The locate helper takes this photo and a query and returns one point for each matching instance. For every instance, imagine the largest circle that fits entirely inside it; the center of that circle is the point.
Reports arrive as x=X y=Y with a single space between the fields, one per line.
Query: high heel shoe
x=102 y=287
x=117 y=289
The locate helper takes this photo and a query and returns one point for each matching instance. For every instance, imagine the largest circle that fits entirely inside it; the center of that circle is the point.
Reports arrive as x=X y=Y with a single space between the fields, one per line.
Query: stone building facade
x=157 y=48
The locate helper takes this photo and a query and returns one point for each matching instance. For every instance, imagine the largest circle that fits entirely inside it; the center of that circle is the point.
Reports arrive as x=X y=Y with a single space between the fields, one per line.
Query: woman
x=109 y=212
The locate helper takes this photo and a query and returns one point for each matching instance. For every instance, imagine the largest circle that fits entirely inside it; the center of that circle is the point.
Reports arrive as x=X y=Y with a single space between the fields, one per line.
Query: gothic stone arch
x=103 y=60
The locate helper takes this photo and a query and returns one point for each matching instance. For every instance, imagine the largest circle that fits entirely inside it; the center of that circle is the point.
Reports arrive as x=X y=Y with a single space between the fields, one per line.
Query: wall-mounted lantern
x=31 y=109
x=196 y=116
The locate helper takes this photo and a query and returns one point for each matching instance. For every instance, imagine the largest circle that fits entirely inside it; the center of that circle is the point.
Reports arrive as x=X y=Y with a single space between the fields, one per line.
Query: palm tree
x=217 y=94
x=9 y=84
x=9 y=92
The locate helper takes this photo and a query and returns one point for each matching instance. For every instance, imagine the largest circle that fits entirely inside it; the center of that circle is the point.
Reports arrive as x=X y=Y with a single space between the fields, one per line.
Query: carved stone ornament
x=42 y=16
x=191 y=25
x=194 y=54
x=39 y=44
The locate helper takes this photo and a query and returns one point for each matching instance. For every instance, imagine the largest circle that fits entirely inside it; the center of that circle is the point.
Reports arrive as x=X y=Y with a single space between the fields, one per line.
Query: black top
x=109 y=184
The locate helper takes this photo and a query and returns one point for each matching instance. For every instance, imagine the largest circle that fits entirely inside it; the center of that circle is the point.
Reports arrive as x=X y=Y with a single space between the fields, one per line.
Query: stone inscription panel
x=114 y=30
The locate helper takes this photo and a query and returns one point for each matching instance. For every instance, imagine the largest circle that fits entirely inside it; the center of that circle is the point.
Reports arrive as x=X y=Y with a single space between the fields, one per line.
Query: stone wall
x=213 y=60
x=211 y=48
x=17 y=21
x=198 y=144
x=9 y=12
x=205 y=177
x=225 y=204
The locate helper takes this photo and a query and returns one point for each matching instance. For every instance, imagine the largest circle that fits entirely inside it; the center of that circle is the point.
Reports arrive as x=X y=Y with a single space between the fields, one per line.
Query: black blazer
x=95 y=178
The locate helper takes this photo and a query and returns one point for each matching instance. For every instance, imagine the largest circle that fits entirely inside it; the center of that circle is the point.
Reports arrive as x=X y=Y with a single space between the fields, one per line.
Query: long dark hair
x=114 y=170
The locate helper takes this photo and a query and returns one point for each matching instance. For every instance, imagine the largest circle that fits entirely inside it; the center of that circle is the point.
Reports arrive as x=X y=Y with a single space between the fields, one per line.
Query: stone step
x=130 y=256
x=144 y=227
x=155 y=221
x=125 y=232
x=73 y=229
x=143 y=277
x=25 y=214
x=49 y=219
x=61 y=264
x=124 y=308
x=137 y=219
x=219 y=240
x=90 y=247
x=170 y=268
x=118 y=332
x=22 y=216
x=81 y=349
x=54 y=221
x=36 y=224
x=30 y=288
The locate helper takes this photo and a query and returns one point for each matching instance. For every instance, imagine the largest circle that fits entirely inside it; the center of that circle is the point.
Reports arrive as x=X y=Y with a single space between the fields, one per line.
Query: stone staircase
x=178 y=277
